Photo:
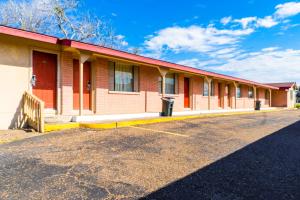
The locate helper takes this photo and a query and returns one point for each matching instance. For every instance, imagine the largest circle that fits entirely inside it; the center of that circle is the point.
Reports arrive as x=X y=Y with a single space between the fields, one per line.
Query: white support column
x=235 y=92
x=254 y=90
x=163 y=72
x=209 y=91
x=82 y=60
x=270 y=99
x=163 y=85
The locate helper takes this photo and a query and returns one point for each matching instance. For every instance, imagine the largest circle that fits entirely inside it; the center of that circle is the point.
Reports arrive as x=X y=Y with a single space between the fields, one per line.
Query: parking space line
x=165 y=132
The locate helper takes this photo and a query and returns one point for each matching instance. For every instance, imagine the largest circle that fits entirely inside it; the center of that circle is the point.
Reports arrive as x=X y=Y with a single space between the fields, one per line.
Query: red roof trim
x=28 y=35
x=282 y=86
x=119 y=54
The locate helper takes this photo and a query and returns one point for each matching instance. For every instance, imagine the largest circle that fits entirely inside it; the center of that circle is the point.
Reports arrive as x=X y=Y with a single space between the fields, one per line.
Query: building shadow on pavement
x=266 y=169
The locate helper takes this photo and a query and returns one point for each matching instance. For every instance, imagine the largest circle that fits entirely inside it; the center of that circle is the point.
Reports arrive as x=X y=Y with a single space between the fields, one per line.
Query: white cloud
x=209 y=39
x=121 y=39
x=193 y=39
x=287 y=9
x=268 y=49
x=267 y=65
x=225 y=51
x=196 y=63
x=282 y=11
x=226 y=20
x=266 y=22
x=221 y=46
x=246 y=21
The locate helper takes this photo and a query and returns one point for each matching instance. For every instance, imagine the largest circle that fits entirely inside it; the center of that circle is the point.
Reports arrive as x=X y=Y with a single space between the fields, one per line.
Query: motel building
x=44 y=77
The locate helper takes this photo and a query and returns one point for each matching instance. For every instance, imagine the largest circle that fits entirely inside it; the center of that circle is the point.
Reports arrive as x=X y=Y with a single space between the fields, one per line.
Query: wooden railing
x=33 y=110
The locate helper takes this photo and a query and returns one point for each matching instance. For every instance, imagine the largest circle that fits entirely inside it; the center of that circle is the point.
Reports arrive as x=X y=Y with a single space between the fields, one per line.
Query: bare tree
x=136 y=50
x=61 y=18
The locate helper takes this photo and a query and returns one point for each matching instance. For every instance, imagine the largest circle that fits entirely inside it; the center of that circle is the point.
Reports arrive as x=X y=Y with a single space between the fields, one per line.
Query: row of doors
x=44 y=80
x=220 y=99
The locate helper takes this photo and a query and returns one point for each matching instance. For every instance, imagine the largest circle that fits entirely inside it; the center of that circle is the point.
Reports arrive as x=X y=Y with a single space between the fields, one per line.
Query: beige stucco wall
x=291 y=101
x=14 y=79
x=15 y=74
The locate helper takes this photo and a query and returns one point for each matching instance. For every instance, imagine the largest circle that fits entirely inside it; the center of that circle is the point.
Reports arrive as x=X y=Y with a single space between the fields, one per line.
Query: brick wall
x=200 y=102
x=279 y=98
x=244 y=102
x=261 y=97
x=147 y=99
x=66 y=72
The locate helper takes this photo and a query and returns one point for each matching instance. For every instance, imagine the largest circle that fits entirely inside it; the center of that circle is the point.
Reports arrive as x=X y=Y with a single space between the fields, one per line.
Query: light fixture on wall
x=33 y=80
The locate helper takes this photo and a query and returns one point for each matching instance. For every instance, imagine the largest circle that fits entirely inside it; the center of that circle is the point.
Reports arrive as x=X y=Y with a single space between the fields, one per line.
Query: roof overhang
x=121 y=55
x=28 y=35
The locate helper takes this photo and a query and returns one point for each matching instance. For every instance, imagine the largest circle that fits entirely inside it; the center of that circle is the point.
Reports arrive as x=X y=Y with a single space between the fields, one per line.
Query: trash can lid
x=168 y=98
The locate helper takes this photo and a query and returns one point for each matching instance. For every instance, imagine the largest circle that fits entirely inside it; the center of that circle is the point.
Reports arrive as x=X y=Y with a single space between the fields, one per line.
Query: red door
x=186 y=92
x=44 y=69
x=86 y=85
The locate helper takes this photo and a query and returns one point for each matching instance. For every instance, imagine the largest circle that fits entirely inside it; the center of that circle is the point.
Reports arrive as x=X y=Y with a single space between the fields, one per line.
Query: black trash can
x=167 y=108
x=257 y=105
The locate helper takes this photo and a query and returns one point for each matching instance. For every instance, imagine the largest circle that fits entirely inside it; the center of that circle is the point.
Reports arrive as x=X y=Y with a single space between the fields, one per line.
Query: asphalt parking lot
x=252 y=156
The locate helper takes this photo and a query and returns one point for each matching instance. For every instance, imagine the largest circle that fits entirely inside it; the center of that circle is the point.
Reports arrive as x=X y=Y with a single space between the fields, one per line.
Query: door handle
x=89 y=85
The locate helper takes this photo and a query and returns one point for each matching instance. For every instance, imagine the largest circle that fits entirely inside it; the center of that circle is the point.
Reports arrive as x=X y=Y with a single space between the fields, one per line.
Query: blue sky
x=253 y=39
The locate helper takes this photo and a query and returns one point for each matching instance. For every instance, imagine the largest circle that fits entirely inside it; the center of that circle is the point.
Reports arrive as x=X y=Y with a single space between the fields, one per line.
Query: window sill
x=127 y=93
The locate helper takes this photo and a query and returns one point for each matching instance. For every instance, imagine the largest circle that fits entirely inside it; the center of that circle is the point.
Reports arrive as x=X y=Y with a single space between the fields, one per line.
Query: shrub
x=297 y=105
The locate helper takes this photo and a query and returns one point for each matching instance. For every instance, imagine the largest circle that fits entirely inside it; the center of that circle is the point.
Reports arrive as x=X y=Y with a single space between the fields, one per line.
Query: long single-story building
x=86 y=82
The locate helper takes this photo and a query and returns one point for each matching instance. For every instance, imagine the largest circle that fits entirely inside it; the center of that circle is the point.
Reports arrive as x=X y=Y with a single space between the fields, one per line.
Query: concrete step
x=57 y=119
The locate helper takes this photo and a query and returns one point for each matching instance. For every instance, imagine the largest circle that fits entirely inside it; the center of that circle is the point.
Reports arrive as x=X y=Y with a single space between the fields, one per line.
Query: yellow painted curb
x=112 y=125
x=99 y=126
x=58 y=127
x=168 y=119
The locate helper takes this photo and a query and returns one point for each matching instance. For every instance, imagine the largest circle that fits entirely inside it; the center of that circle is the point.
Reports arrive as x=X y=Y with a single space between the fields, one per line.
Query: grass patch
x=297 y=105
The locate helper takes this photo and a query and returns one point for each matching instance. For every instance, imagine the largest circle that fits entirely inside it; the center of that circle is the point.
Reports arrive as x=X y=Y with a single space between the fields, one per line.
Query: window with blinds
x=205 y=88
x=238 y=92
x=123 y=77
x=250 y=92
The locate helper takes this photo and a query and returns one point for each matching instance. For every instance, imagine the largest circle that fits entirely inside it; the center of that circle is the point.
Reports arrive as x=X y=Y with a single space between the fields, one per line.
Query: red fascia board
x=28 y=35
x=142 y=59
x=284 y=88
x=282 y=85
